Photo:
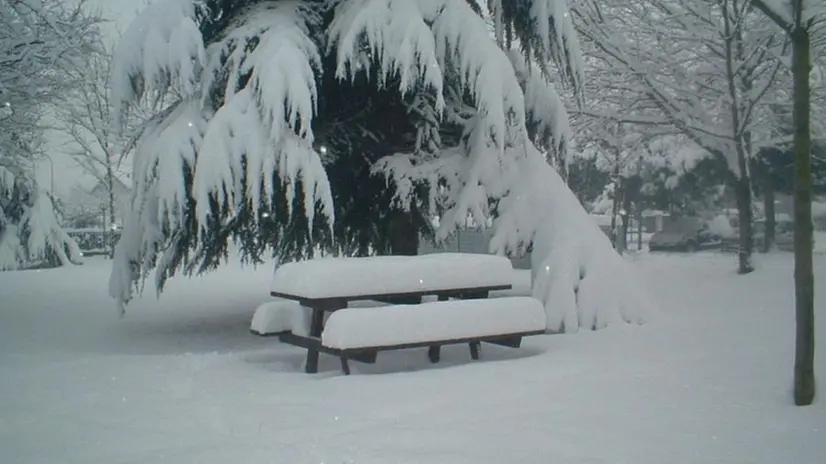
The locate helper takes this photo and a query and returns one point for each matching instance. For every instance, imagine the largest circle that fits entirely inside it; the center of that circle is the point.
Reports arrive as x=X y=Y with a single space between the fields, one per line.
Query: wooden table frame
x=331 y=304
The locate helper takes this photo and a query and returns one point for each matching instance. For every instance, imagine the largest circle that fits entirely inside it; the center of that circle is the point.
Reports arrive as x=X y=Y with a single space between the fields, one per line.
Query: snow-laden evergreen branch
x=248 y=100
x=575 y=271
x=547 y=119
x=161 y=50
x=267 y=120
x=545 y=32
x=457 y=42
x=397 y=37
x=166 y=151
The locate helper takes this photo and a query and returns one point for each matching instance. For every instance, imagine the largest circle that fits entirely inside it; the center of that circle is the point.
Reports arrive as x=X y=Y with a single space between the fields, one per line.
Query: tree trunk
x=804 y=375
x=746 y=244
x=626 y=209
x=110 y=180
x=104 y=236
x=768 y=206
x=614 y=210
x=404 y=237
x=615 y=204
x=639 y=225
x=638 y=204
x=404 y=241
x=743 y=189
x=614 y=234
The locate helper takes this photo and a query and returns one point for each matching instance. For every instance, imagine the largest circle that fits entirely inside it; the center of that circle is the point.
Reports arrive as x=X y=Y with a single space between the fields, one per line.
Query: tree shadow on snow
x=171 y=333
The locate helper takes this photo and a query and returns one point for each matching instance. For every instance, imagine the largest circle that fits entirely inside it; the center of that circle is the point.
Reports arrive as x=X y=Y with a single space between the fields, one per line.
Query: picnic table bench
x=328 y=286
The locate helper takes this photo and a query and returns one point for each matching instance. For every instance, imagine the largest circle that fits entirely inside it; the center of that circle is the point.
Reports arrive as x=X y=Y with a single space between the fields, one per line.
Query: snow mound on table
x=438 y=320
x=381 y=275
x=281 y=316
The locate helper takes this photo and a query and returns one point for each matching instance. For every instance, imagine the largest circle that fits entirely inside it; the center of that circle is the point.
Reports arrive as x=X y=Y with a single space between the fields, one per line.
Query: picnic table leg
x=476 y=295
x=474 y=349
x=315 y=331
x=434 y=351
x=345 y=366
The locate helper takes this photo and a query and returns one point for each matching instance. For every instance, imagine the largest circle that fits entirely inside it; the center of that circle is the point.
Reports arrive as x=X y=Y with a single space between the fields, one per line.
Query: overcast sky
x=119 y=13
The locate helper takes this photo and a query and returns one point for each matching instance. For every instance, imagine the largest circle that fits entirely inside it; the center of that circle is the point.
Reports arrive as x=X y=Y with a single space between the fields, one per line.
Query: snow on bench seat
x=432 y=322
x=279 y=316
x=384 y=275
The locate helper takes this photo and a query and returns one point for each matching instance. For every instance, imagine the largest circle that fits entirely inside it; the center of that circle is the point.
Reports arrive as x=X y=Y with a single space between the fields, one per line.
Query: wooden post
x=474 y=349
x=319 y=307
x=315 y=331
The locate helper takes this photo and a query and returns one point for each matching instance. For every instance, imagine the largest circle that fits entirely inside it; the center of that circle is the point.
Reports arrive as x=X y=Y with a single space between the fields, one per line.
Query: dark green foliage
x=586 y=180
x=776 y=165
x=358 y=123
x=696 y=190
x=516 y=16
x=14 y=205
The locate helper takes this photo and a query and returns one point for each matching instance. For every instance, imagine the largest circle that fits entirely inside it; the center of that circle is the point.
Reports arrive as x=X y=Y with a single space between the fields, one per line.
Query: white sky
x=119 y=13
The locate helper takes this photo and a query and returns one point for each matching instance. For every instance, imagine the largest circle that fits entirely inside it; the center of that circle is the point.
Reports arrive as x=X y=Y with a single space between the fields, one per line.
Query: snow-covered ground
x=181 y=380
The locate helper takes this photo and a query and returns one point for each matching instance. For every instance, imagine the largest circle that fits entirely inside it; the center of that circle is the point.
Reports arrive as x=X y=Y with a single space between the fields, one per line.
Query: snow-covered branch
x=778 y=10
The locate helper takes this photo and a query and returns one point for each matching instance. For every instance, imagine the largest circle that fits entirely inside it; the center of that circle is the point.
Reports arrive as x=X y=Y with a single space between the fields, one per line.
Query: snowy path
x=181 y=380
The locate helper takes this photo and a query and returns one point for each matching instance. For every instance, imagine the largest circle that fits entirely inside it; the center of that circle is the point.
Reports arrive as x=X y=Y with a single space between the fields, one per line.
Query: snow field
x=182 y=380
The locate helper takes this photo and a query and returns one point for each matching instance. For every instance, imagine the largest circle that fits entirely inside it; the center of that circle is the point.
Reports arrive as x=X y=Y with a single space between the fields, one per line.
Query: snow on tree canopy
x=237 y=141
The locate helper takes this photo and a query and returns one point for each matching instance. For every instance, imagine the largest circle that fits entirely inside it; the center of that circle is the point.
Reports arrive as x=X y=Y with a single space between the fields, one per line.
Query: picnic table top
x=381 y=276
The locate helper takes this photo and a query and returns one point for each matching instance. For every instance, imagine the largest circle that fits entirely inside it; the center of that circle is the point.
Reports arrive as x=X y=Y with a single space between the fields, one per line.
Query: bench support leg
x=434 y=352
x=315 y=331
x=474 y=296
x=474 y=349
x=514 y=342
x=345 y=366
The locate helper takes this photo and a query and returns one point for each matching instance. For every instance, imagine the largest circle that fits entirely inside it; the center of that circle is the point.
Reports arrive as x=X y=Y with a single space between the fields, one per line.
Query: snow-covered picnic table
x=378 y=277
x=328 y=286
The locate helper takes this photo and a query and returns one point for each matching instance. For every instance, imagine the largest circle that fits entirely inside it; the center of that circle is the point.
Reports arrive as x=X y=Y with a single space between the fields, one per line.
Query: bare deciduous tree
x=85 y=113
x=705 y=66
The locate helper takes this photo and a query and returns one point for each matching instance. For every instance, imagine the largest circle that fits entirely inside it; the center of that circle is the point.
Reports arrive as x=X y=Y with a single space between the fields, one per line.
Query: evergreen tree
x=774 y=173
x=343 y=126
x=689 y=193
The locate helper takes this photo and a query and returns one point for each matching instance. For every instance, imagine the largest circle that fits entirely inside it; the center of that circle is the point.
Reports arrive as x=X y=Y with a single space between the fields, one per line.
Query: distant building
x=653 y=220
x=123 y=194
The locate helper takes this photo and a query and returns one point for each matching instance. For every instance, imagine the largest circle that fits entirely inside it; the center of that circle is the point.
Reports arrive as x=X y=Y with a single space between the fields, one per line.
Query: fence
x=470 y=241
x=94 y=241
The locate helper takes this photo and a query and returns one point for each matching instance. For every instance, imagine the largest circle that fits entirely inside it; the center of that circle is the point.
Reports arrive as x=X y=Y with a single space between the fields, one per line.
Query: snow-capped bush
x=721 y=226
